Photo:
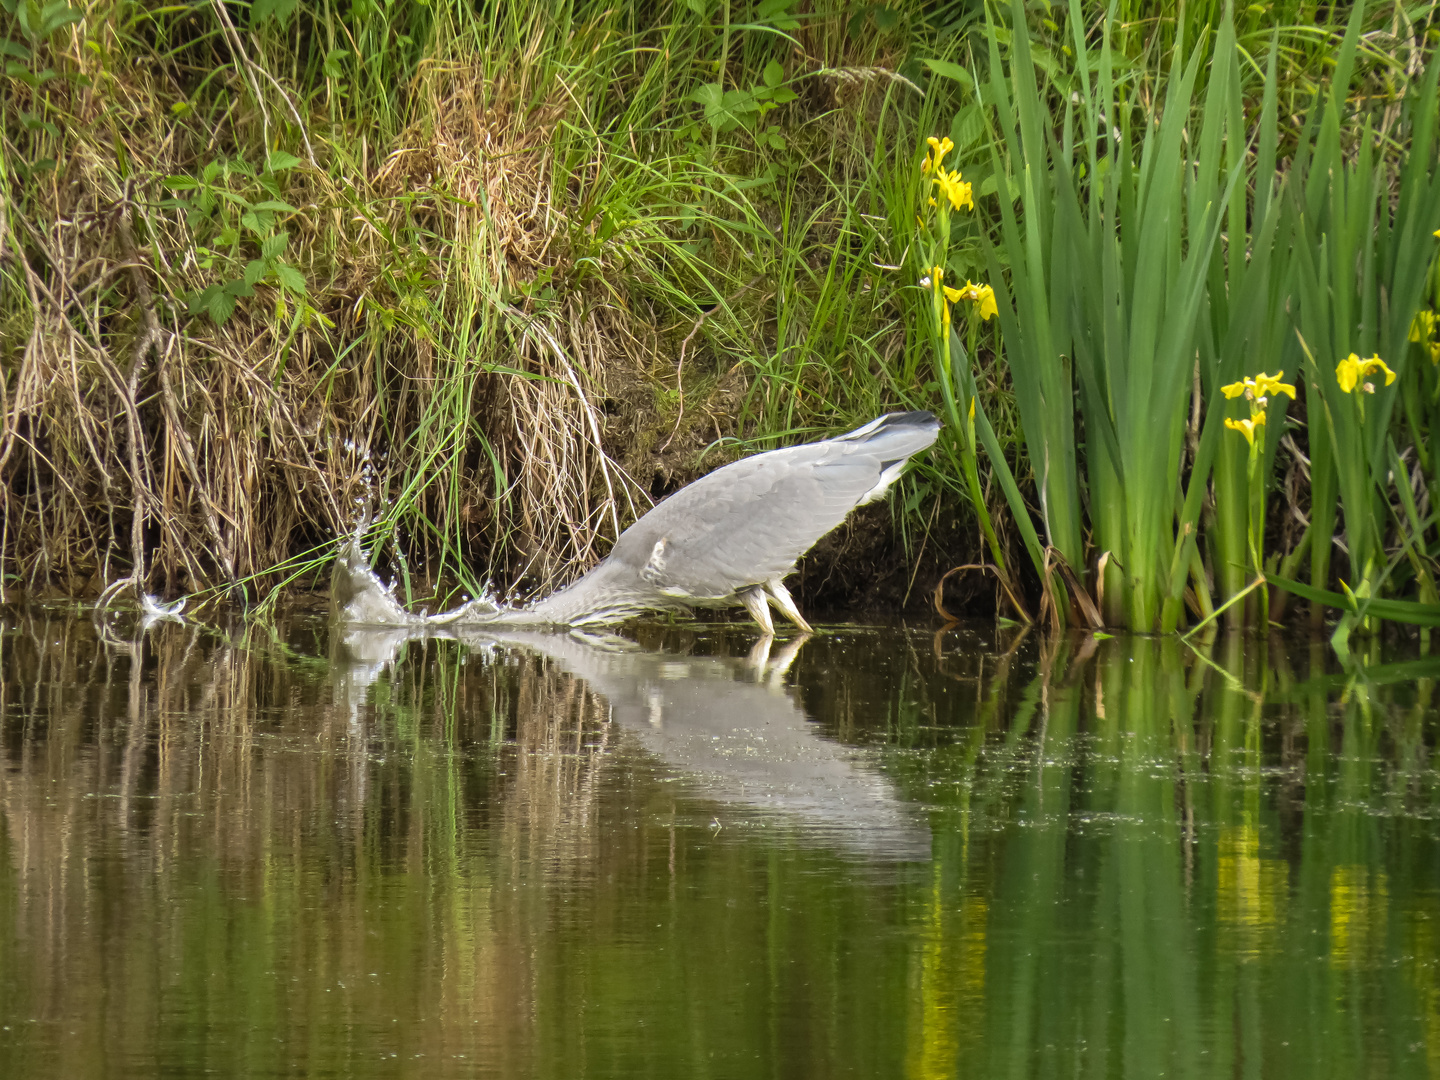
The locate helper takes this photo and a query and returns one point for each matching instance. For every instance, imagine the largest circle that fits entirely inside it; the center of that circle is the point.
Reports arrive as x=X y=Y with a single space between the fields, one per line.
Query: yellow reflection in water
x=1251 y=891
x=952 y=987
x=1357 y=914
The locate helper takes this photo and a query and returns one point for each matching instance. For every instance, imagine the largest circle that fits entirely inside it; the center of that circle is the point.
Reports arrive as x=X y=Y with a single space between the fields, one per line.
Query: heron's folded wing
x=751 y=520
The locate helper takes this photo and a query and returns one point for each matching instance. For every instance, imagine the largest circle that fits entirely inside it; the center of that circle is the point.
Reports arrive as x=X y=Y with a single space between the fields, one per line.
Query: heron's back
x=750 y=521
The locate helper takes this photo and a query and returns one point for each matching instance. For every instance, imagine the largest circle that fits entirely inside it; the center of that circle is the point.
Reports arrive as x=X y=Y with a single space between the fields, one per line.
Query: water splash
x=360 y=598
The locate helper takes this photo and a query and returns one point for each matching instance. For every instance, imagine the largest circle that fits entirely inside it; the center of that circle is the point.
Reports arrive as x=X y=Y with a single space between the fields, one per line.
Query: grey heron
x=731 y=537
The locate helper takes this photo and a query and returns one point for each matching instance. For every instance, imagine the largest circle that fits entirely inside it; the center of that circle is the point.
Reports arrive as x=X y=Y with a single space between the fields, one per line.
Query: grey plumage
x=743 y=526
x=729 y=724
x=731 y=537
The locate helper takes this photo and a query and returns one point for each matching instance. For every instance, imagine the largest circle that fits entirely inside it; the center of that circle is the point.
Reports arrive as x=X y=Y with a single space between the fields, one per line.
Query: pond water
x=255 y=851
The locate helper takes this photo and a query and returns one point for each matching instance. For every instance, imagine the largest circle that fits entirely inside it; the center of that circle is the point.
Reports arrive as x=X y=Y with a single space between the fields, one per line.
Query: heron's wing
x=750 y=521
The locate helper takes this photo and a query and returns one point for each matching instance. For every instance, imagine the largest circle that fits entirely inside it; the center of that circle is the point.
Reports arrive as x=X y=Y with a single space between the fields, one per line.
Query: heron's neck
x=596 y=597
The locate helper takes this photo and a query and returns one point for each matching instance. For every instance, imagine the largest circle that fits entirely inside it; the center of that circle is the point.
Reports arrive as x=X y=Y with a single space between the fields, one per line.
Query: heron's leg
x=786 y=603
x=782 y=662
x=754 y=600
x=759 y=658
x=772 y=672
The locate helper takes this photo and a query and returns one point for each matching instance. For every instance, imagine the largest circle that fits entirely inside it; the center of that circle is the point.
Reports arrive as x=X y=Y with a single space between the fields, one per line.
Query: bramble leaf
x=290 y=278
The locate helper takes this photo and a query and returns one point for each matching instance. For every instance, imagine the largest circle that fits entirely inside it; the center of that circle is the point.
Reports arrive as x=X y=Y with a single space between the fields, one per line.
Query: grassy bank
x=493 y=278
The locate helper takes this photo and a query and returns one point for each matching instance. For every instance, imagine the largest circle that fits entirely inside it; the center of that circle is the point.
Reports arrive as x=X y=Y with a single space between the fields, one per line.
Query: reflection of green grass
x=1140 y=865
x=1161 y=908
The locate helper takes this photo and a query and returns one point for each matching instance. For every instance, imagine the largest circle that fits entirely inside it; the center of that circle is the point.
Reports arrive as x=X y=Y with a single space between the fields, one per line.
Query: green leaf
x=254 y=271
x=334 y=61
x=274 y=246
x=275 y=204
x=15 y=49
x=280 y=11
x=290 y=278
x=774 y=74
x=279 y=162
x=777 y=14
x=726 y=109
x=737 y=107
x=219 y=305
x=57 y=15
x=181 y=183
x=708 y=95
x=25 y=75
x=967 y=127
x=950 y=70
x=1406 y=611
x=230 y=197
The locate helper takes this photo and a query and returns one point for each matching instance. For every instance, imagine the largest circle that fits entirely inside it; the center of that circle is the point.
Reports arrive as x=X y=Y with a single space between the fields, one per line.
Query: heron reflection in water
x=730 y=725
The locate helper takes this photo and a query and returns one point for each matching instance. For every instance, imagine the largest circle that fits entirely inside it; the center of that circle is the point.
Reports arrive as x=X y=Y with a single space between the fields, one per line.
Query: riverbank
x=496 y=280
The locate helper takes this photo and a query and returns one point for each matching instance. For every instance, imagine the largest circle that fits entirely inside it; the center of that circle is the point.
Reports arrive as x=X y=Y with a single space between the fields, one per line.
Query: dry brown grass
x=238 y=445
x=475 y=367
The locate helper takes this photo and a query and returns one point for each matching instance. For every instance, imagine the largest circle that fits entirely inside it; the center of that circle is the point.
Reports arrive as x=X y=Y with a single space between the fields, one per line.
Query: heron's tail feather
x=919 y=428
x=894 y=439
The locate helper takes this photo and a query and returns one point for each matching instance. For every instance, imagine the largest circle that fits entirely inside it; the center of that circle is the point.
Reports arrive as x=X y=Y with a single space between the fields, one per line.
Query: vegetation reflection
x=252 y=853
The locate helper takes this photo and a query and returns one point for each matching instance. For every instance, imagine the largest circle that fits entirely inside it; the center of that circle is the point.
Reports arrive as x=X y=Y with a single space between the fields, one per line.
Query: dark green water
x=247 y=852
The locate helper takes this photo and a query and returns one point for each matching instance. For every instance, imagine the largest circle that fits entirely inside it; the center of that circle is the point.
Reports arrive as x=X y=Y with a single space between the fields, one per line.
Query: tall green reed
x=1127 y=323
x=1361 y=267
x=1108 y=269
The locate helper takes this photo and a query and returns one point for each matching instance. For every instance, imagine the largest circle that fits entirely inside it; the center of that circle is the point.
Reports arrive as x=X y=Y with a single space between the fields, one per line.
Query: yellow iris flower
x=938 y=149
x=1352 y=369
x=1260 y=387
x=949 y=182
x=955 y=189
x=1247 y=427
x=1257 y=391
x=1422 y=331
x=983 y=296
